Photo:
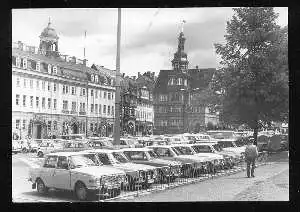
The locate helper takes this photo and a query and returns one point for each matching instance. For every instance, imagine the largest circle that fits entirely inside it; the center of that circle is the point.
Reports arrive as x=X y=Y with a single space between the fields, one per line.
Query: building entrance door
x=37 y=131
x=75 y=128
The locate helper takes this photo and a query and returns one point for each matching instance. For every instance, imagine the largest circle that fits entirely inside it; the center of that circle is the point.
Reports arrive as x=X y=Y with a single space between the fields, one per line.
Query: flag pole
x=117 y=96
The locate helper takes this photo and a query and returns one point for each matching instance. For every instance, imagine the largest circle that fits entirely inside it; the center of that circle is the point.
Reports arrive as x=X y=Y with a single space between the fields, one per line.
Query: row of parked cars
x=93 y=167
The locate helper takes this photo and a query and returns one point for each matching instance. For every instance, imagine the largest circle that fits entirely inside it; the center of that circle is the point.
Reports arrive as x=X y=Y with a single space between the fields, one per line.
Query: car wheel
x=40 y=186
x=40 y=154
x=81 y=191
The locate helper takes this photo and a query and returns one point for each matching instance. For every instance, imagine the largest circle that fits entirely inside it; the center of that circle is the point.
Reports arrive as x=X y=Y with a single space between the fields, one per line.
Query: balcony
x=82 y=113
x=65 y=111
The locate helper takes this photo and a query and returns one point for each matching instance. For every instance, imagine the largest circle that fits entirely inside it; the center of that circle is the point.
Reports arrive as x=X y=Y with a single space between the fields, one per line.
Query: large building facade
x=176 y=109
x=54 y=94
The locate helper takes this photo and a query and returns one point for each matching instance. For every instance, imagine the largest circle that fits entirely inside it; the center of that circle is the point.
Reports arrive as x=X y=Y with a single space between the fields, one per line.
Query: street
x=270 y=184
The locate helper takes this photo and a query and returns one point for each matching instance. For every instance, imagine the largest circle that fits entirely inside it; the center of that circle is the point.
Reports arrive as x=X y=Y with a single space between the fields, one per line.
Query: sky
x=149 y=37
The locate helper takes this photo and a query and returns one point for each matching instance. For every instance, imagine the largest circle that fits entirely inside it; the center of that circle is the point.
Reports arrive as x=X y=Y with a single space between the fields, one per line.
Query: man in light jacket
x=251 y=154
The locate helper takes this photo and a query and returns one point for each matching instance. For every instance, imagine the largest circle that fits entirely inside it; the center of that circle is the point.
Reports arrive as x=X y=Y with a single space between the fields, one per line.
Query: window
x=163 y=98
x=104 y=95
x=49 y=69
x=112 y=110
x=73 y=90
x=108 y=96
x=83 y=107
x=163 y=152
x=55 y=125
x=104 y=109
x=49 y=86
x=112 y=96
x=24 y=100
x=96 y=78
x=185 y=82
x=50 y=162
x=65 y=105
x=43 y=85
x=13 y=60
x=100 y=96
x=96 y=94
x=96 y=108
x=136 y=155
x=92 y=77
x=49 y=103
x=31 y=101
x=91 y=126
x=18 y=81
x=31 y=83
x=38 y=84
x=54 y=87
x=43 y=102
x=17 y=123
x=82 y=93
x=108 y=110
x=37 y=100
x=18 y=62
x=49 y=125
x=54 y=104
x=38 y=66
x=179 y=81
x=67 y=89
x=24 y=63
x=100 y=109
x=171 y=81
x=17 y=99
x=24 y=83
x=55 y=69
x=62 y=163
x=92 y=108
x=104 y=158
x=92 y=92
x=24 y=125
x=74 y=106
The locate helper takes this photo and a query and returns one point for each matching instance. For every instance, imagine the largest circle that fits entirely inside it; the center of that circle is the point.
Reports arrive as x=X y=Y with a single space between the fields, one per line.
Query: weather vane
x=182 y=23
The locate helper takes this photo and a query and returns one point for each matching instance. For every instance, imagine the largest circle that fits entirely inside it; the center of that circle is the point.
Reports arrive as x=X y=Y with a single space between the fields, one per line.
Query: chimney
x=84 y=62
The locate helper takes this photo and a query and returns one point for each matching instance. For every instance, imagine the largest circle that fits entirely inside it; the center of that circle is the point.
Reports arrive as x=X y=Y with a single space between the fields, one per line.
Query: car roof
x=66 y=154
x=103 y=150
x=135 y=149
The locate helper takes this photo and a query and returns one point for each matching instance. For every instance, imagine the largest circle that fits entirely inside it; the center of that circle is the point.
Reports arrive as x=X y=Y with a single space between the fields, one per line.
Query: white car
x=75 y=171
x=137 y=174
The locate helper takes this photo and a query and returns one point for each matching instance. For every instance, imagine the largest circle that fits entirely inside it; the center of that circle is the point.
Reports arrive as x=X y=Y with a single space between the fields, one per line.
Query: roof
x=135 y=149
x=66 y=154
x=103 y=150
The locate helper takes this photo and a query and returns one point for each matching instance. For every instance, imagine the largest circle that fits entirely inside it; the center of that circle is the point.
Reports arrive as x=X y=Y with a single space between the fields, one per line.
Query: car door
x=47 y=171
x=62 y=174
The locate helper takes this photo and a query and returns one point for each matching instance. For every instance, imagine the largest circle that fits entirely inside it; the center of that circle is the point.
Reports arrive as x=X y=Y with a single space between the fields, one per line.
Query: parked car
x=101 y=144
x=168 y=170
x=47 y=147
x=218 y=160
x=129 y=143
x=176 y=140
x=229 y=145
x=137 y=174
x=192 y=165
x=16 y=147
x=72 y=137
x=75 y=172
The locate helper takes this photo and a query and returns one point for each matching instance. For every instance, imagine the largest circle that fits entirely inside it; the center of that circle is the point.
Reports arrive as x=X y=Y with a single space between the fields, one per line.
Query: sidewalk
x=235 y=187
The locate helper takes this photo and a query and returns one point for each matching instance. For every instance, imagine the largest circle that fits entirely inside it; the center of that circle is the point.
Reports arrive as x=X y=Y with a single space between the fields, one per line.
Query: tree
x=253 y=78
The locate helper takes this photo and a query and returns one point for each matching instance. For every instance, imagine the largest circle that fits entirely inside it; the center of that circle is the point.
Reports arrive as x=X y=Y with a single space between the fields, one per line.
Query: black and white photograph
x=150 y=104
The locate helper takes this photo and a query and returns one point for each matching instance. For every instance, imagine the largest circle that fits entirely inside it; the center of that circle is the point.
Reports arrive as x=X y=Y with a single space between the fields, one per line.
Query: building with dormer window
x=51 y=92
x=176 y=109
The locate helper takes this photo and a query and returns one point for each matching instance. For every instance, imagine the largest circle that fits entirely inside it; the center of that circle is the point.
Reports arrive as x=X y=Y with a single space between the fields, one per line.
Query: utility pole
x=117 y=96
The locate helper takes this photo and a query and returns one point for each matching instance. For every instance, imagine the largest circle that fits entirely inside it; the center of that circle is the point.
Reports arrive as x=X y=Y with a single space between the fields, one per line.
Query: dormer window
x=96 y=78
x=55 y=69
x=92 y=77
x=49 y=69
x=38 y=66
x=24 y=63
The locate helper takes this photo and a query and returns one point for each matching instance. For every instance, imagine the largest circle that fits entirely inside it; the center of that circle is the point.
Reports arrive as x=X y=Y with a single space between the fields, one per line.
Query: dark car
x=168 y=170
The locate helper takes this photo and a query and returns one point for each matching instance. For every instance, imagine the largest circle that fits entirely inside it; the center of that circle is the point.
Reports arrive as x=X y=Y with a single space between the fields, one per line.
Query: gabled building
x=55 y=94
x=176 y=110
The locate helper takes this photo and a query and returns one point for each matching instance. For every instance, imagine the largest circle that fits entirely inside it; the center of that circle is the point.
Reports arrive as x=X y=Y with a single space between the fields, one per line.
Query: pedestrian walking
x=251 y=154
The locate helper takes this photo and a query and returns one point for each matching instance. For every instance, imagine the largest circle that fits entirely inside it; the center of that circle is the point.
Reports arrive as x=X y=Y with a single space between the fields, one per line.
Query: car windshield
x=120 y=157
x=221 y=135
x=202 y=149
x=191 y=138
x=183 y=150
x=81 y=161
x=153 y=154
x=218 y=147
x=226 y=144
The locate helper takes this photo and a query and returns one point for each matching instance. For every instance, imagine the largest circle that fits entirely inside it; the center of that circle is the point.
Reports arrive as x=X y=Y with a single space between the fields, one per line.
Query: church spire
x=180 y=61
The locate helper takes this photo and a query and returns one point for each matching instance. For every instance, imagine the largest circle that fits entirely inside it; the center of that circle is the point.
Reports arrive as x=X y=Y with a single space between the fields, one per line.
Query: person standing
x=251 y=153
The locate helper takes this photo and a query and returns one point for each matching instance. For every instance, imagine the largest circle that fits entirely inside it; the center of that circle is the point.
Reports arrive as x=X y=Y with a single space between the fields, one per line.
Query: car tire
x=81 y=191
x=40 y=154
x=40 y=186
